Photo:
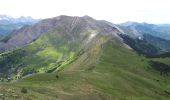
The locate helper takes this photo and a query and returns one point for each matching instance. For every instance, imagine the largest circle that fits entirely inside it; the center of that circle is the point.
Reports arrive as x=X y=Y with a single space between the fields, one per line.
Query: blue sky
x=116 y=11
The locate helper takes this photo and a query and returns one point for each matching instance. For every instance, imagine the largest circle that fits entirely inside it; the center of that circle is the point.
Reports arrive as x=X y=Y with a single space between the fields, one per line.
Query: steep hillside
x=163 y=44
x=140 y=46
x=152 y=35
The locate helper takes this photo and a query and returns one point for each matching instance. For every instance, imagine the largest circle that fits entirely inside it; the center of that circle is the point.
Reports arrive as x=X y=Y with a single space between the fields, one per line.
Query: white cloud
x=116 y=11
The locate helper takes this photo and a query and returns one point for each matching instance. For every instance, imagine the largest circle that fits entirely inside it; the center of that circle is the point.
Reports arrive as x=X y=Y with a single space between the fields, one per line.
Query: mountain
x=9 y=24
x=138 y=29
x=52 y=42
x=155 y=36
x=79 y=58
x=22 y=19
x=28 y=34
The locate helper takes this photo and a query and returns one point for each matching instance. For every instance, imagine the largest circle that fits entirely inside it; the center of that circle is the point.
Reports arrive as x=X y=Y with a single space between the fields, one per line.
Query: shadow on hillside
x=161 y=67
x=142 y=47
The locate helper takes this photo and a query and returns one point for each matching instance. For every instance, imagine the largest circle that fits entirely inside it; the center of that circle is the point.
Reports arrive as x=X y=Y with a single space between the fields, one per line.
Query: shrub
x=57 y=76
x=24 y=90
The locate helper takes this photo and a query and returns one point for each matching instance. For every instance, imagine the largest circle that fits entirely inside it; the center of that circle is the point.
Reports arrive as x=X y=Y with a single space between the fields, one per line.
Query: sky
x=115 y=11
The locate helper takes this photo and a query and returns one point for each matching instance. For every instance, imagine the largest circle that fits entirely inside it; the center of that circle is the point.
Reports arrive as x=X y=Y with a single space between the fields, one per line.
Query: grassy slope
x=105 y=71
x=50 y=50
x=163 y=60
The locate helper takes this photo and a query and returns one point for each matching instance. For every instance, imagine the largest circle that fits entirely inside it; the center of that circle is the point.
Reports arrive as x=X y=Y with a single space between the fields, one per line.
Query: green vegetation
x=83 y=59
x=43 y=55
x=105 y=70
x=163 y=60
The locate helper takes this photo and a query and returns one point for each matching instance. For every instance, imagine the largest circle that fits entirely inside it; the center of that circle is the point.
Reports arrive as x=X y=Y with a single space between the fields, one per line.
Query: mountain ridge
x=32 y=33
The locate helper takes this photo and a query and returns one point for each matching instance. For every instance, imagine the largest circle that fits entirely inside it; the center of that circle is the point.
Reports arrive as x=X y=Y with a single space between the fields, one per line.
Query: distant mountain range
x=138 y=29
x=147 y=39
x=156 y=36
x=9 y=24
x=5 y=19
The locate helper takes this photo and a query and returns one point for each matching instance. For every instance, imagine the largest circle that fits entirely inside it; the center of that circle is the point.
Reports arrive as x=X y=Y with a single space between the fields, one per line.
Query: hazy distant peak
x=130 y=23
x=5 y=17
